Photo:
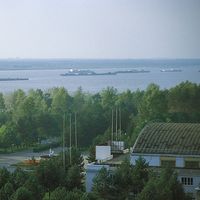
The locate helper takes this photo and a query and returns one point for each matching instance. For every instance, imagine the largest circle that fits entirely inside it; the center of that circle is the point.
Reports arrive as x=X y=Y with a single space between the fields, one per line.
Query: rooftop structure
x=169 y=138
x=172 y=144
x=110 y=164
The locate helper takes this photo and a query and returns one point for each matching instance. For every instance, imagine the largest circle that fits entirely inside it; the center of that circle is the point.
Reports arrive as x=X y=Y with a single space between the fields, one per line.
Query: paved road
x=6 y=160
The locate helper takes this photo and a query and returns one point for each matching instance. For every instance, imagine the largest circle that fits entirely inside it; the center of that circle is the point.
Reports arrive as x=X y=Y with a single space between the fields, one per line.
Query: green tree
x=8 y=191
x=59 y=193
x=4 y=177
x=74 y=178
x=154 y=104
x=164 y=187
x=61 y=103
x=32 y=184
x=91 y=120
x=23 y=194
x=19 y=177
x=140 y=175
x=3 y=110
x=123 y=180
x=91 y=156
x=50 y=175
x=150 y=191
x=8 y=137
x=103 y=185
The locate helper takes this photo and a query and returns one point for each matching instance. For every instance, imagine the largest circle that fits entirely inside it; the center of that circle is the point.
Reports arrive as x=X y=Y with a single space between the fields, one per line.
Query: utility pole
x=120 y=123
x=70 y=138
x=116 y=125
x=64 y=140
x=112 y=129
x=75 y=130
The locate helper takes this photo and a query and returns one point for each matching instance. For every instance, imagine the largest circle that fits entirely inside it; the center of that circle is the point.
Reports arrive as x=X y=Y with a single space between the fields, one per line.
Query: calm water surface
x=45 y=74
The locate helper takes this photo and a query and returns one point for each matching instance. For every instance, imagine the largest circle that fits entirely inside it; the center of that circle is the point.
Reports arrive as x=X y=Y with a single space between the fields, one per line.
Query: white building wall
x=180 y=162
x=103 y=153
x=151 y=160
x=190 y=188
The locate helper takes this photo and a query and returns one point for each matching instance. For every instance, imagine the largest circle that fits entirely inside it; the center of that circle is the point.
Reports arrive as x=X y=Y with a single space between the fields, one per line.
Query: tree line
x=26 y=118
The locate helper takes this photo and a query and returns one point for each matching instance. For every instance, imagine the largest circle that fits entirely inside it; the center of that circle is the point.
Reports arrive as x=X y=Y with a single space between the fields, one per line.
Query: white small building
x=173 y=144
x=104 y=159
x=102 y=154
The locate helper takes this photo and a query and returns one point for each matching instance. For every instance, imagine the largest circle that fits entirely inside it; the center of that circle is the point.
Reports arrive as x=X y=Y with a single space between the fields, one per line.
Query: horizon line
x=65 y=58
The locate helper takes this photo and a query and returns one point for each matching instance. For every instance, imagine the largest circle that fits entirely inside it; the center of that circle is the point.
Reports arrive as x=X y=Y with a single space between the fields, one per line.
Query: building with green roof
x=172 y=144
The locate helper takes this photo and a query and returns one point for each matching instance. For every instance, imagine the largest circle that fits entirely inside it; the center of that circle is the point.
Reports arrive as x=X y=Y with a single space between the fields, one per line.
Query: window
x=191 y=164
x=187 y=181
x=168 y=163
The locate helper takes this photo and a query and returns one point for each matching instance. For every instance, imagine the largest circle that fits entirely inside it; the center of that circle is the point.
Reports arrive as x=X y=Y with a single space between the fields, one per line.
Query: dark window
x=191 y=164
x=168 y=163
x=187 y=181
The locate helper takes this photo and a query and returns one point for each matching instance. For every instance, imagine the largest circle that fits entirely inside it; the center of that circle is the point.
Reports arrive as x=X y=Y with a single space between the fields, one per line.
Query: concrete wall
x=154 y=160
x=150 y=159
x=196 y=182
x=180 y=162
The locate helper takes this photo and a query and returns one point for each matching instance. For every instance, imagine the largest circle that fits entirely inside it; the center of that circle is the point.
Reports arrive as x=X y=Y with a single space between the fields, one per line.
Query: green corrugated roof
x=169 y=138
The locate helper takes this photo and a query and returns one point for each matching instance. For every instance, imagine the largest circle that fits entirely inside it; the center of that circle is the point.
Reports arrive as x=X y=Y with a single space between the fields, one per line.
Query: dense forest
x=27 y=118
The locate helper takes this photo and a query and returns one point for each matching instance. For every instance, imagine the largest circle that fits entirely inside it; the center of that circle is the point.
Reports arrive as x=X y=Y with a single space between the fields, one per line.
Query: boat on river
x=86 y=72
x=132 y=71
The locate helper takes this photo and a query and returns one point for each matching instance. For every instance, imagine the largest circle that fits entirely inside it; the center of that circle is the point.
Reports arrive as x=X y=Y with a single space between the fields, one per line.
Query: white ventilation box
x=118 y=145
x=103 y=153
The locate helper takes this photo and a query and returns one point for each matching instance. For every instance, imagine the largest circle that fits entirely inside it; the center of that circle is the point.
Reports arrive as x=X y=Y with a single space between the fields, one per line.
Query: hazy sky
x=100 y=28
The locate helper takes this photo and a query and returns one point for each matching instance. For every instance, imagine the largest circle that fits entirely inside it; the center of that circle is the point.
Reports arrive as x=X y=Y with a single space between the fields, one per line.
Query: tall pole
x=75 y=130
x=116 y=125
x=112 y=129
x=64 y=140
x=70 y=138
x=120 y=123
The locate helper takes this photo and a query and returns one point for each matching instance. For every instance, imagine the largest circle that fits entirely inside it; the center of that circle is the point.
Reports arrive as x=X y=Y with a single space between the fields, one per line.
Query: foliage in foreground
x=49 y=180
x=137 y=182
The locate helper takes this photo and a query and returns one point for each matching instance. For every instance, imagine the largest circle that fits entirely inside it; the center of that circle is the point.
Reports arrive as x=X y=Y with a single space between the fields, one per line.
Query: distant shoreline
x=14 y=79
x=62 y=63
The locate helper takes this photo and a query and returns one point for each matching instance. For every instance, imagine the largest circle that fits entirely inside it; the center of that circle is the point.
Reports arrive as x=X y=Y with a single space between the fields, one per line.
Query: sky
x=100 y=29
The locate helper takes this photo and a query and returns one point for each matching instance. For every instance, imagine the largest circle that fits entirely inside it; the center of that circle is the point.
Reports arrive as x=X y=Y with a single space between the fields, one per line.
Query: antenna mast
x=112 y=128
x=64 y=140
x=120 y=123
x=70 y=138
x=116 y=126
x=75 y=130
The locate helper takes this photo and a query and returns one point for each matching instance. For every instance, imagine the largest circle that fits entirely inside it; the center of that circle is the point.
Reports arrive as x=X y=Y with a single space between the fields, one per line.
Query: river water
x=45 y=74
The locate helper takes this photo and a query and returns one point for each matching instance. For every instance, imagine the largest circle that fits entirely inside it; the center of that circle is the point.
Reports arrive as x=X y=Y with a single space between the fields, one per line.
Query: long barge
x=79 y=72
